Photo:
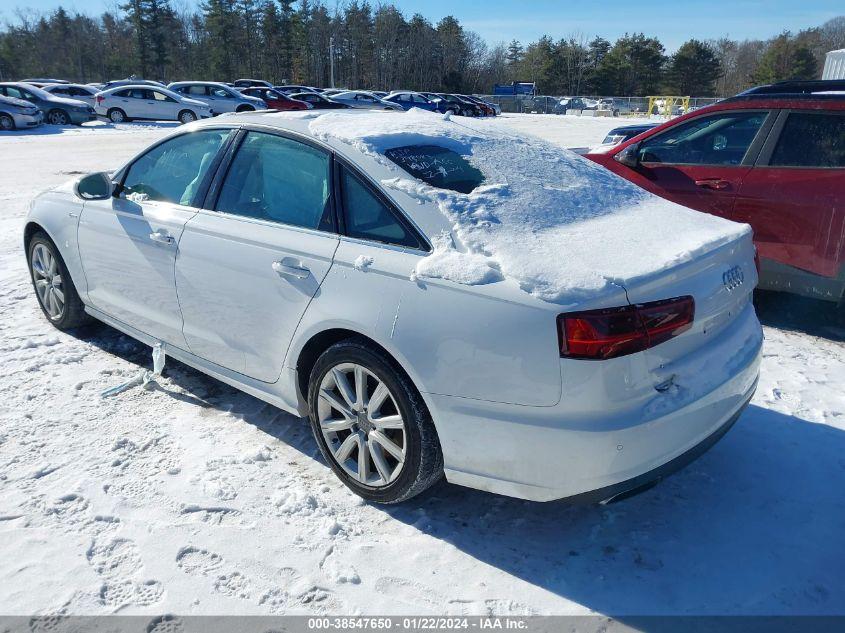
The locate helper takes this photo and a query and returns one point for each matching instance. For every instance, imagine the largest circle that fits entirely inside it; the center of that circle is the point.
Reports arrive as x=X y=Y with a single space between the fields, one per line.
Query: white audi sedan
x=438 y=297
x=124 y=103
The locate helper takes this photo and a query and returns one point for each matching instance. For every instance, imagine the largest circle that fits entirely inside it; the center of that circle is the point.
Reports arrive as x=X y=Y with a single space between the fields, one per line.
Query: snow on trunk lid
x=565 y=229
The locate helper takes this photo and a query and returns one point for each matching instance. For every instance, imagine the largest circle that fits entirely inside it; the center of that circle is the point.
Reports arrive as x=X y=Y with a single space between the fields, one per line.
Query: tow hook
x=666 y=385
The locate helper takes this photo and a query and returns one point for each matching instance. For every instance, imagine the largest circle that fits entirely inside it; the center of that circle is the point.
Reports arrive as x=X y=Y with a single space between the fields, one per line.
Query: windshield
x=437 y=166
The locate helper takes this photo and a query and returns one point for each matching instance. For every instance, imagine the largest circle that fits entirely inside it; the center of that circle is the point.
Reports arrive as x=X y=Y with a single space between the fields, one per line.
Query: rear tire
x=411 y=460
x=7 y=123
x=116 y=115
x=54 y=289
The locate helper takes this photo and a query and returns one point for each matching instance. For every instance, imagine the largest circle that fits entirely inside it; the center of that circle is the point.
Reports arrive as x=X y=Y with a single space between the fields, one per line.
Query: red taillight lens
x=614 y=332
x=100 y=100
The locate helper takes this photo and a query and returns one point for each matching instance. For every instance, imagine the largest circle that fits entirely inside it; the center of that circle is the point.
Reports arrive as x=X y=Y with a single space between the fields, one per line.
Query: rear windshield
x=437 y=166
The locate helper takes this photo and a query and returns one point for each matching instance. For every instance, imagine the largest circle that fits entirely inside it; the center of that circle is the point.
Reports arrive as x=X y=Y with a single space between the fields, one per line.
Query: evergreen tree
x=692 y=70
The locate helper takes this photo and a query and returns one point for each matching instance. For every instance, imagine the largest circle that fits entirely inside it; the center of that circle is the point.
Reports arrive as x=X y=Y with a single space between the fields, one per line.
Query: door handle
x=713 y=183
x=161 y=237
x=289 y=267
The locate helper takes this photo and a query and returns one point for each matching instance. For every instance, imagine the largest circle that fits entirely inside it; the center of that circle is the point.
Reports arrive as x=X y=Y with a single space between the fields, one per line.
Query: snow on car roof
x=560 y=226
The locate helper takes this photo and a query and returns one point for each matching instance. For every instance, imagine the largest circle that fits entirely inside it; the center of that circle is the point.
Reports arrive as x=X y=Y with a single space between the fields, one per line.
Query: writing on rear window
x=437 y=166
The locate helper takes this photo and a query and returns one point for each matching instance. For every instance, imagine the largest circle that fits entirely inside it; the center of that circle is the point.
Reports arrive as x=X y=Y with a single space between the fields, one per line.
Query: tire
x=186 y=116
x=407 y=424
x=58 y=117
x=63 y=310
x=116 y=115
x=7 y=123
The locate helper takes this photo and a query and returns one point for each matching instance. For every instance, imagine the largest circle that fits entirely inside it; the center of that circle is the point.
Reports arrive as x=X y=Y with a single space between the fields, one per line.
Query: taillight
x=614 y=332
x=100 y=100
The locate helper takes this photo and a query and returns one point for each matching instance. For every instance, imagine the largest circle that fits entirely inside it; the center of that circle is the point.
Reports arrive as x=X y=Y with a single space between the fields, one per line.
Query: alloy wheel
x=48 y=281
x=6 y=123
x=58 y=117
x=362 y=424
x=116 y=116
x=187 y=117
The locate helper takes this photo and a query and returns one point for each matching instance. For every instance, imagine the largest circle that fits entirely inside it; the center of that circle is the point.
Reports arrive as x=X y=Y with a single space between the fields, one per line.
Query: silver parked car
x=17 y=114
x=364 y=99
x=219 y=97
x=147 y=102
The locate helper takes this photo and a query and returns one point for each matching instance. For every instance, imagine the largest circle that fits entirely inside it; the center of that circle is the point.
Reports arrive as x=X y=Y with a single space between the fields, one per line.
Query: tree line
x=381 y=48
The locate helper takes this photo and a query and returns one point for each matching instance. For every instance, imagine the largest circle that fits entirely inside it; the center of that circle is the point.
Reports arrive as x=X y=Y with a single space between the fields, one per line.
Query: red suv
x=275 y=100
x=773 y=157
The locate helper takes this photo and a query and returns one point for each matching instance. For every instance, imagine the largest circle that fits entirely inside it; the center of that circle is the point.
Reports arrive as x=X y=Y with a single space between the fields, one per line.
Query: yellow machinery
x=667 y=105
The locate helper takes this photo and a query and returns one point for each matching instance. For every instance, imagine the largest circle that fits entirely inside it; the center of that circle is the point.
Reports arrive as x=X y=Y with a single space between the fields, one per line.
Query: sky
x=673 y=22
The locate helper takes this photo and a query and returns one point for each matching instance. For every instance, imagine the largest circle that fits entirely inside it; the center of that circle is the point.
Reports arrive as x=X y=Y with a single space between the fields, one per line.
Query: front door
x=701 y=163
x=128 y=243
x=248 y=269
x=793 y=198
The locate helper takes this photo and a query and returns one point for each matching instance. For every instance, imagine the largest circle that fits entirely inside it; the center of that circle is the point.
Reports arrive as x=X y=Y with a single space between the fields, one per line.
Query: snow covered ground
x=195 y=498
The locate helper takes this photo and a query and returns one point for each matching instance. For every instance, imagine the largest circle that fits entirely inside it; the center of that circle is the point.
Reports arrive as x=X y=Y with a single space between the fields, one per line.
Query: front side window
x=221 y=93
x=13 y=92
x=160 y=96
x=811 y=139
x=719 y=139
x=173 y=170
x=278 y=179
x=437 y=166
x=369 y=218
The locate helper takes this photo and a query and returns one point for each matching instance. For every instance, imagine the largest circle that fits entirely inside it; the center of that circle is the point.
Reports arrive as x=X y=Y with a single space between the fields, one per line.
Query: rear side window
x=281 y=180
x=811 y=139
x=173 y=170
x=719 y=139
x=368 y=218
x=437 y=166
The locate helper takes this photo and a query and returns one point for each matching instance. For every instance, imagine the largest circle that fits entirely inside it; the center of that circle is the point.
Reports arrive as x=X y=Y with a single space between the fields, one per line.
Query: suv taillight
x=614 y=332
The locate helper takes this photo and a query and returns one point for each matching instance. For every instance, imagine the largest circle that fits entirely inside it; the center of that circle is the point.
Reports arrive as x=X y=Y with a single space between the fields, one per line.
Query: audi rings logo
x=733 y=278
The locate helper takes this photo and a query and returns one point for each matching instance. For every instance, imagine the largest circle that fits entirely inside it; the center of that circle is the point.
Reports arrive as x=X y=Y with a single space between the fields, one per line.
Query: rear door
x=793 y=197
x=701 y=162
x=250 y=262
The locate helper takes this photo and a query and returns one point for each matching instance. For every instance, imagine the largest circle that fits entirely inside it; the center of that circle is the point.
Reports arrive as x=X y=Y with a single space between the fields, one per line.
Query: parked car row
x=61 y=102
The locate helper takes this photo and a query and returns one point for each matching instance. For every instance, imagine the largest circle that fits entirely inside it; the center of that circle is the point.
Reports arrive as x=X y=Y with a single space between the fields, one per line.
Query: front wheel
x=186 y=116
x=6 y=122
x=371 y=424
x=58 y=117
x=54 y=288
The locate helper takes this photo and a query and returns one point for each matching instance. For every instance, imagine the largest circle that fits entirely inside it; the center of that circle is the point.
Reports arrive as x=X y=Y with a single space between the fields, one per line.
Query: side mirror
x=97 y=186
x=630 y=156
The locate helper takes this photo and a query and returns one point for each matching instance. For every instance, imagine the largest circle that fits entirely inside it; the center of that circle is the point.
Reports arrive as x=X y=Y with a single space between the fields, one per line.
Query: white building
x=834 y=65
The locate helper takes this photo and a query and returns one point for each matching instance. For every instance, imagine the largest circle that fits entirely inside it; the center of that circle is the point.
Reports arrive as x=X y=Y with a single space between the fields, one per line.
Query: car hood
x=194 y=102
x=566 y=230
x=12 y=101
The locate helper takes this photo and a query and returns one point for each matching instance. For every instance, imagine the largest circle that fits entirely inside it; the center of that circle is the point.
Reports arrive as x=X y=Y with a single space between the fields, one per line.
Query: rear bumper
x=547 y=453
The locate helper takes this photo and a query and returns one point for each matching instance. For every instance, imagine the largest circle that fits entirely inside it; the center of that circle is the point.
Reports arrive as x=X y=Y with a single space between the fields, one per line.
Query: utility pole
x=331 y=61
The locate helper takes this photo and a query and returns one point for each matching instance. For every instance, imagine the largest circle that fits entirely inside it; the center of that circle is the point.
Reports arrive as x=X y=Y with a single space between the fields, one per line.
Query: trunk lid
x=721 y=281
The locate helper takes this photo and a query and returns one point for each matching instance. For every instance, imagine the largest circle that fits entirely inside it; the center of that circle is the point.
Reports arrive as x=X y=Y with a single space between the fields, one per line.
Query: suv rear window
x=437 y=166
x=811 y=140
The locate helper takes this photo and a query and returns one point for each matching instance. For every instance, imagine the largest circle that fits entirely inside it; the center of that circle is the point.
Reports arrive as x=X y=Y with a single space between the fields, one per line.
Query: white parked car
x=125 y=103
x=219 y=97
x=364 y=100
x=80 y=92
x=429 y=304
